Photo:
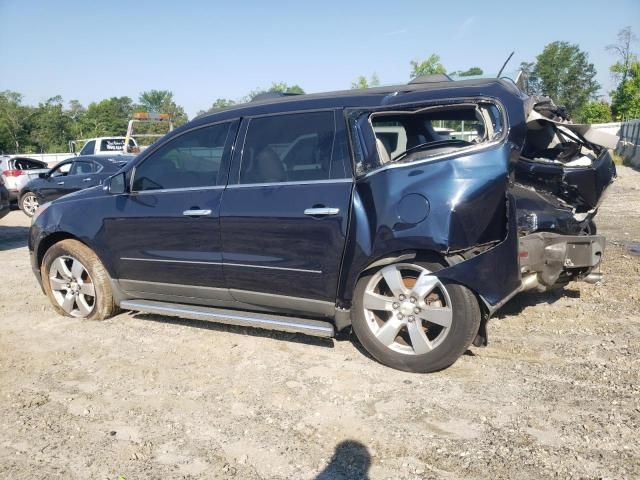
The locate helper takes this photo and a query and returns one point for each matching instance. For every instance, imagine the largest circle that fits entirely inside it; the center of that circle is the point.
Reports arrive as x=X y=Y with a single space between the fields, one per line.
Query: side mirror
x=116 y=184
x=43 y=175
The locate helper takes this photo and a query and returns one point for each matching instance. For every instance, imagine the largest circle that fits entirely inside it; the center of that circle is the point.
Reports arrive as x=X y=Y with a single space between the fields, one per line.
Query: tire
x=28 y=203
x=444 y=302
x=71 y=269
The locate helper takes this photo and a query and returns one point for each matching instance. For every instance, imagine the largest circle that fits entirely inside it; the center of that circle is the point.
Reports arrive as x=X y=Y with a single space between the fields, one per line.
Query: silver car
x=17 y=171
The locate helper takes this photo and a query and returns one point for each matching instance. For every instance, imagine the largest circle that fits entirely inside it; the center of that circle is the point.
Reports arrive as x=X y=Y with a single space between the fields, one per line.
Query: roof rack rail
x=433 y=78
x=268 y=95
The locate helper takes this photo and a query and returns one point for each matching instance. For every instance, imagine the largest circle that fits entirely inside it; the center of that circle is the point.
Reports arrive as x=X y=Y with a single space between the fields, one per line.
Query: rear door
x=284 y=213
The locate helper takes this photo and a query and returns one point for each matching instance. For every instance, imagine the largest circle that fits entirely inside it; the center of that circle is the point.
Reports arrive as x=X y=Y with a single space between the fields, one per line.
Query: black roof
x=114 y=162
x=369 y=97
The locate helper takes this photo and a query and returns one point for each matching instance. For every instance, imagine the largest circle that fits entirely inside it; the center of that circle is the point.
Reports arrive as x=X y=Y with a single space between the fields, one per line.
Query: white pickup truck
x=105 y=145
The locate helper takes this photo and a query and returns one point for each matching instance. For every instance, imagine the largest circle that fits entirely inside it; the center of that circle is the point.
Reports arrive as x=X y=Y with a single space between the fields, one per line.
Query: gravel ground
x=556 y=392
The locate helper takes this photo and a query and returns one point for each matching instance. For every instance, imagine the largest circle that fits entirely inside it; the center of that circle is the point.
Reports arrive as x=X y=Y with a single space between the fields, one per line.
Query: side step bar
x=316 y=328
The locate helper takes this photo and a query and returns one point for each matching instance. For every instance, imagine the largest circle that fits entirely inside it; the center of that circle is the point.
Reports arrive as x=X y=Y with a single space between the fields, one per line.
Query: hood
x=90 y=192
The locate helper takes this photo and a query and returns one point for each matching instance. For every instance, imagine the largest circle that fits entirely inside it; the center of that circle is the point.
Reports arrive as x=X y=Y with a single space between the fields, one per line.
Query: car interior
x=411 y=135
x=288 y=149
x=28 y=164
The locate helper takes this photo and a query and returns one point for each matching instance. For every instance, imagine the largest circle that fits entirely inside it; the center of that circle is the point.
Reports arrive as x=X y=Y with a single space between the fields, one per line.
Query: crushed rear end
x=561 y=177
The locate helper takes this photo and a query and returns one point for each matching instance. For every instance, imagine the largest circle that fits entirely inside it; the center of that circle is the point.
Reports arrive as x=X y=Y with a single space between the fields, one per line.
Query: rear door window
x=29 y=164
x=290 y=148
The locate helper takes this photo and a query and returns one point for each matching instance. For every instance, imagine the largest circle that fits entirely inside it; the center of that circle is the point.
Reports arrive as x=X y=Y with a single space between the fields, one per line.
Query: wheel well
x=51 y=240
x=435 y=257
x=418 y=255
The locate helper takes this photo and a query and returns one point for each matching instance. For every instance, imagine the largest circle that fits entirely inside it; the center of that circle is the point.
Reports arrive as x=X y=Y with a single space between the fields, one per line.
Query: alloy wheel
x=72 y=286
x=30 y=204
x=407 y=308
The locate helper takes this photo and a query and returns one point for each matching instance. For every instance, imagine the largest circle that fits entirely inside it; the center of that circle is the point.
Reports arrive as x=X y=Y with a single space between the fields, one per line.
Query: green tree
x=283 y=87
x=277 y=87
x=161 y=101
x=364 y=82
x=217 y=105
x=625 y=99
x=14 y=122
x=597 y=111
x=50 y=131
x=222 y=103
x=107 y=117
x=563 y=72
x=472 y=72
x=622 y=68
x=428 y=66
x=76 y=113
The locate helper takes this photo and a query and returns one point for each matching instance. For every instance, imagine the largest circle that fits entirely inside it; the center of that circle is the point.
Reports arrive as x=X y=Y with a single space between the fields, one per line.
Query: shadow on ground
x=350 y=461
x=517 y=304
x=13 y=237
x=254 y=332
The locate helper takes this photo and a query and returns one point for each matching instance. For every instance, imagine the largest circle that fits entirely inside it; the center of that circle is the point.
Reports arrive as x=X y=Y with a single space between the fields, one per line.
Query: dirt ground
x=555 y=394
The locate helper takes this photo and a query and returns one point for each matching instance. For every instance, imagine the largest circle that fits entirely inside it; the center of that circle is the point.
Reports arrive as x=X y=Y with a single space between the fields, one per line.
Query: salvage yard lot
x=556 y=392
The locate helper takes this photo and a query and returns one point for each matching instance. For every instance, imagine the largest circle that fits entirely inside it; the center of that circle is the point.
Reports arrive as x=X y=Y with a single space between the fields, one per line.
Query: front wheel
x=408 y=319
x=76 y=282
x=29 y=203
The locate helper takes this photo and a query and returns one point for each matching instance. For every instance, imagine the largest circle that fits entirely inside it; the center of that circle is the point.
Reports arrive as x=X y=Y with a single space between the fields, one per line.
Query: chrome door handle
x=60 y=183
x=323 y=211
x=196 y=213
x=86 y=180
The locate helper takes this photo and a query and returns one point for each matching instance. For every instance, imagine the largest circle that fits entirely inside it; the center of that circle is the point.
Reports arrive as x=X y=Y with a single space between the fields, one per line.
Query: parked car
x=17 y=171
x=5 y=206
x=290 y=213
x=69 y=176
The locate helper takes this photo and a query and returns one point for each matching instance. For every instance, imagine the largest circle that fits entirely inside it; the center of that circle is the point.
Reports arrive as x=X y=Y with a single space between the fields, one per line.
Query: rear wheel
x=76 y=282
x=29 y=203
x=409 y=319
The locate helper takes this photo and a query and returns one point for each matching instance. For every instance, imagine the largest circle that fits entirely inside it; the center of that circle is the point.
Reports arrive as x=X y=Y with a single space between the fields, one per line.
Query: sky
x=203 y=50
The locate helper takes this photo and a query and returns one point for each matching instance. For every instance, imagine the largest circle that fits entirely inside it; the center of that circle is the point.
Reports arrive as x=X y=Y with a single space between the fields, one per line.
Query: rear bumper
x=549 y=255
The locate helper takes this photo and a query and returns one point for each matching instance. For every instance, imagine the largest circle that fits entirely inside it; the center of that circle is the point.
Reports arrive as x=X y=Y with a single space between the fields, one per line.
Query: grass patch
x=618 y=159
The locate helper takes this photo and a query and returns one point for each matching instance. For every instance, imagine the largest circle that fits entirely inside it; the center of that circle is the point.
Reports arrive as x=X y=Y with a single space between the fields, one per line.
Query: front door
x=284 y=213
x=82 y=175
x=165 y=237
x=54 y=184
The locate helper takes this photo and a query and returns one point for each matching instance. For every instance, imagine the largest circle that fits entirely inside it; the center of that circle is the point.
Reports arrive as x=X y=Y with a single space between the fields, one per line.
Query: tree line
x=561 y=71
x=49 y=126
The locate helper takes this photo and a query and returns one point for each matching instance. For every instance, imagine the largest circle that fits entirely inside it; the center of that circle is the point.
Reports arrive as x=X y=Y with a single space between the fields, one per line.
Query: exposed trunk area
x=563 y=171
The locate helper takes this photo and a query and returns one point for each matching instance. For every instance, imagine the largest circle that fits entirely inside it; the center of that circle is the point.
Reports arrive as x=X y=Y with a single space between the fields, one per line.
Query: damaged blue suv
x=408 y=213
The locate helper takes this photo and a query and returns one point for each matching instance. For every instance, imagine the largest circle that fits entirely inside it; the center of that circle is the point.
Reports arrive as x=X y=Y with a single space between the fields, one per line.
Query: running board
x=316 y=328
